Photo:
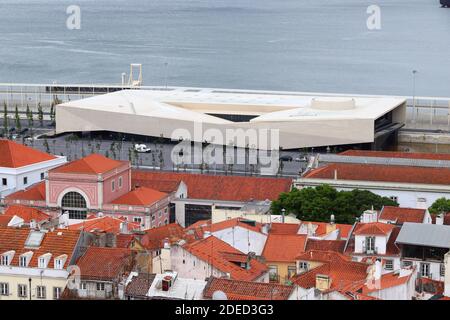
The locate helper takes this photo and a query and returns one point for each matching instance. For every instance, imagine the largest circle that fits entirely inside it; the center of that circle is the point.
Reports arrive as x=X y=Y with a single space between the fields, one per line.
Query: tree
x=17 y=118
x=40 y=115
x=317 y=204
x=5 y=119
x=441 y=205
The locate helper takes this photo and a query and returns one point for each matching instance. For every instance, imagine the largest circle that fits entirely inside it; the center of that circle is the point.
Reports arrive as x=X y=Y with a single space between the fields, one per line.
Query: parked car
x=301 y=159
x=142 y=148
x=286 y=158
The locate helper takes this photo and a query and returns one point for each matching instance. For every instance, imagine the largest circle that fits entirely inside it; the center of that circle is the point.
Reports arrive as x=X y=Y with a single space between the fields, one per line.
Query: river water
x=302 y=45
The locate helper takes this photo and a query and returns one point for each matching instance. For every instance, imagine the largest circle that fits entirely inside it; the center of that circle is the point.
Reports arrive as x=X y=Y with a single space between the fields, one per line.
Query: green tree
x=5 y=119
x=441 y=205
x=40 y=115
x=317 y=204
x=17 y=118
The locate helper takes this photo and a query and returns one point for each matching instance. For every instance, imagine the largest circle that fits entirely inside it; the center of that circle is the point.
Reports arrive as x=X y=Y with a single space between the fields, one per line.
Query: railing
x=422 y=112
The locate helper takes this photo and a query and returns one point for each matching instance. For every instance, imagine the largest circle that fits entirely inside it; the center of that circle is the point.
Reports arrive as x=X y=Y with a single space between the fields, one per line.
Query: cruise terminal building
x=303 y=120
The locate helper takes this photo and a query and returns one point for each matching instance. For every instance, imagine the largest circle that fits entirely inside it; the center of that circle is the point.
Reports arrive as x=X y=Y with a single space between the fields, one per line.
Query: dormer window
x=6 y=258
x=44 y=260
x=25 y=258
x=60 y=261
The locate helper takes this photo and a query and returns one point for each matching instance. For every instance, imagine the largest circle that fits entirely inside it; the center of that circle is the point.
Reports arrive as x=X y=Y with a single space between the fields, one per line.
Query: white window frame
x=389 y=264
x=22 y=290
x=83 y=285
x=4 y=289
x=100 y=285
x=424 y=267
x=303 y=265
x=442 y=270
x=4 y=260
x=57 y=293
x=41 y=292
x=113 y=185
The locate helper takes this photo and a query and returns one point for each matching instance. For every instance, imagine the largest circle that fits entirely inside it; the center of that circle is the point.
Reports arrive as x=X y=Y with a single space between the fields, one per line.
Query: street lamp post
x=414 y=72
x=29 y=280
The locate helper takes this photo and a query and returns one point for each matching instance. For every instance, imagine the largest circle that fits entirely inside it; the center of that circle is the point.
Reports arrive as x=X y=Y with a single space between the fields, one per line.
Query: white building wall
x=15 y=176
x=380 y=244
x=243 y=239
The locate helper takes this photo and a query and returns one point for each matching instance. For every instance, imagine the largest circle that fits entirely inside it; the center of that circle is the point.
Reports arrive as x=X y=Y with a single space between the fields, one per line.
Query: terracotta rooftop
x=326 y=245
x=26 y=213
x=385 y=173
x=92 y=164
x=284 y=228
x=396 y=154
x=283 y=247
x=167 y=186
x=153 y=239
x=247 y=290
x=236 y=222
x=57 y=242
x=99 y=263
x=4 y=220
x=321 y=229
x=401 y=215
x=103 y=224
x=15 y=155
x=141 y=196
x=223 y=257
x=124 y=240
x=35 y=192
x=387 y=280
x=341 y=271
x=374 y=228
x=139 y=285
x=219 y=187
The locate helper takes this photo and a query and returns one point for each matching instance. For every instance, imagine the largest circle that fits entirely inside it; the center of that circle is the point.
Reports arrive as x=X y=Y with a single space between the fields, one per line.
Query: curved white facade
x=302 y=120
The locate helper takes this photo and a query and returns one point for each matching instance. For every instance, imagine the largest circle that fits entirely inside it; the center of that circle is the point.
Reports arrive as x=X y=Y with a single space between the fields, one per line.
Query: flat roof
x=423 y=234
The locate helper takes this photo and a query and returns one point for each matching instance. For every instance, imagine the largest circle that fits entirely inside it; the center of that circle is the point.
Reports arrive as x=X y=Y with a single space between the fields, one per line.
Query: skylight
x=34 y=239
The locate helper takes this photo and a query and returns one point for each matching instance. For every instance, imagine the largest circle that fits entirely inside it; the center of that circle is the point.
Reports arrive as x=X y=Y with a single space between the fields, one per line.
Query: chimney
x=440 y=219
x=166 y=243
x=33 y=224
x=377 y=270
x=331 y=226
x=335 y=174
x=124 y=227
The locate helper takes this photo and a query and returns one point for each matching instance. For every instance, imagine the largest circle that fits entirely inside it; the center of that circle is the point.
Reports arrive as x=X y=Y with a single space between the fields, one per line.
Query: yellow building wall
x=15 y=280
x=282 y=268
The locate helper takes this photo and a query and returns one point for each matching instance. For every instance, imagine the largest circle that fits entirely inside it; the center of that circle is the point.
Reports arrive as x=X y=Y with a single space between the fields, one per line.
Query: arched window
x=75 y=204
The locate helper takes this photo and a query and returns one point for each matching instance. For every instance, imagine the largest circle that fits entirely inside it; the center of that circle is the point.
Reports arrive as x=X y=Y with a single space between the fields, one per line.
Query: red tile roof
x=326 y=245
x=236 y=222
x=283 y=247
x=385 y=173
x=218 y=253
x=141 y=196
x=374 y=228
x=103 y=224
x=284 y=228
x=321 y=230
x=124 y=240
x=154 y=238
x=15 y=155
x=4 y=220
x=247 y=290
x=167 y=186
x=218 y=187
x=402 y=215
x=36 y=192
x=92 y=164
x=341 y=271
x=396 y=154
x=106 y=264
x=387 y=280
x=26 y=213
x=322 y=256
x=57 y=242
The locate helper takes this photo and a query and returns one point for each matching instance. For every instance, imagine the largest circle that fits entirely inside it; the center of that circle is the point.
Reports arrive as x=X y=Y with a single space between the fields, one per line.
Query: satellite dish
x=219 y=295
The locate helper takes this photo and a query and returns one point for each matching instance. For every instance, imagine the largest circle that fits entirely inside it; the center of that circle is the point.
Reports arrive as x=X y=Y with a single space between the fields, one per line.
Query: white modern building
x=217 y=115
x=22 y=166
